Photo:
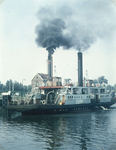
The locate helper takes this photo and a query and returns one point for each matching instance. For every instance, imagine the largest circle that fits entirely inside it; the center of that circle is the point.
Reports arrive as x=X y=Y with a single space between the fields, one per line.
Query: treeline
x=102 y=80
x=14 y=87
x=19 y=87
x=111 y=88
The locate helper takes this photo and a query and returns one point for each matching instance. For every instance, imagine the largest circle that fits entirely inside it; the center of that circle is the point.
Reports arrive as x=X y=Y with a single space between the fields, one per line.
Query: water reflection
x=81 y=131
x=47 y=129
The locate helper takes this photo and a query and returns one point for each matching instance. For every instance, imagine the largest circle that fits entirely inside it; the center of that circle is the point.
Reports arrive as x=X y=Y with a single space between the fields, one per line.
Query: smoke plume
x=50 y=35
x=74 y=25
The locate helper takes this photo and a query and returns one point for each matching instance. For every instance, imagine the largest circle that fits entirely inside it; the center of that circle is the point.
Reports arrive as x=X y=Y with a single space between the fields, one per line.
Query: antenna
x=86 y=74
x=87 y=78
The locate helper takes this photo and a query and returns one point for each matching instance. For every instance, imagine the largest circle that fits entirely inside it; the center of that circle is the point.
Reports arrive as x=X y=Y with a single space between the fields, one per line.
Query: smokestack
x=80 y=69
x=50 y=66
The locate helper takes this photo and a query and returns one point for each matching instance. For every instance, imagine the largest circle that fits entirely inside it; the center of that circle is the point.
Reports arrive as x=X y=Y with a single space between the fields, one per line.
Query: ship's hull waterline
x=57 y=109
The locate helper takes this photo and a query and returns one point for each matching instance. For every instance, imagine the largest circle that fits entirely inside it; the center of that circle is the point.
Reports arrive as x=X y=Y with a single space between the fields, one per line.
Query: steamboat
x=55 y=98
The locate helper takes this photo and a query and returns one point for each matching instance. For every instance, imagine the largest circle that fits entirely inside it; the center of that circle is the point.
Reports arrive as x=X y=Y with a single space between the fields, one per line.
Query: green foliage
x=14 y=86
x=110 y=88
x=102 y=80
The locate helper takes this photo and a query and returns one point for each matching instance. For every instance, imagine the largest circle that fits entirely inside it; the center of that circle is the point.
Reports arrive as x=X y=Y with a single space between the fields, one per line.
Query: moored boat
x=65 y=100
x=55 y=98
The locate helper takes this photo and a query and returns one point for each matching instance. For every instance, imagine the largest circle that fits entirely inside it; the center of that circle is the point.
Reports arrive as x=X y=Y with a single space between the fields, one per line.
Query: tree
x=2 y=87
x=110 y=88
x=18 y=86
x=14 y=86
x=8 y=85
x=102 y=80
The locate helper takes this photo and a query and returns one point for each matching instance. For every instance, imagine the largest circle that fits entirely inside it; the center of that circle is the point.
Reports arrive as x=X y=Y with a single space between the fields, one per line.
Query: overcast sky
x=90 y=27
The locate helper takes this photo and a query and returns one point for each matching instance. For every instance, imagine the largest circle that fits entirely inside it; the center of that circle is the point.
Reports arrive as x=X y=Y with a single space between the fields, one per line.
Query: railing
x=57 y=97
x=19 y=100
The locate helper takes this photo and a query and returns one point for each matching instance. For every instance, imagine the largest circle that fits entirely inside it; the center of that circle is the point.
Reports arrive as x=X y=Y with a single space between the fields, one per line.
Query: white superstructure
x=83 y=95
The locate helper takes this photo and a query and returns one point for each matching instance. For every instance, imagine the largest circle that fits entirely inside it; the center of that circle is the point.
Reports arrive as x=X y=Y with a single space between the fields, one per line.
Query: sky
x=87 y=26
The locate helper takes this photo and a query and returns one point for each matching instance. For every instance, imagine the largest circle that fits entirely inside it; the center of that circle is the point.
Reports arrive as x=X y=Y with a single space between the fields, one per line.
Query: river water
x=94 y=130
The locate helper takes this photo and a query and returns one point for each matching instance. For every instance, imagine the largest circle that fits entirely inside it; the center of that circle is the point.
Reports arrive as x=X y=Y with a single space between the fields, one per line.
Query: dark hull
x=57 y=109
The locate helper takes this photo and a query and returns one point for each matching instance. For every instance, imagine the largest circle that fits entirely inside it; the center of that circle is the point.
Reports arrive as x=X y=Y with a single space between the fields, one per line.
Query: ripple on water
x=90 y=130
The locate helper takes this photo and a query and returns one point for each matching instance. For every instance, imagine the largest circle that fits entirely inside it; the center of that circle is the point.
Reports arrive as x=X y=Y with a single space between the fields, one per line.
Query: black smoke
x=74 y=24
x=50 y=35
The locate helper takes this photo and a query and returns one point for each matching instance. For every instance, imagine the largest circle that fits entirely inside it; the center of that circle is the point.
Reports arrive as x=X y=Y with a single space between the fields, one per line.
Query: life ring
x=43 y=102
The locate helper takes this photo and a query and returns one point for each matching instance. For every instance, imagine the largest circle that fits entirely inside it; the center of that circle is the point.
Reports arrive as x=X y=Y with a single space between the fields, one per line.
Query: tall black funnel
x=80 y=68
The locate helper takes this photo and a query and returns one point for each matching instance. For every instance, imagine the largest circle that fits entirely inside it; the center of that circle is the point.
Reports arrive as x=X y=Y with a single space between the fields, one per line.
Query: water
x=76 y=131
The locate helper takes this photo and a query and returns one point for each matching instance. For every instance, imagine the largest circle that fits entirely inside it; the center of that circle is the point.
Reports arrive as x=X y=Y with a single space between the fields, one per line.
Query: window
x=84 y=91
x=102 y=90
x=69 y=90
x=76 y=91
